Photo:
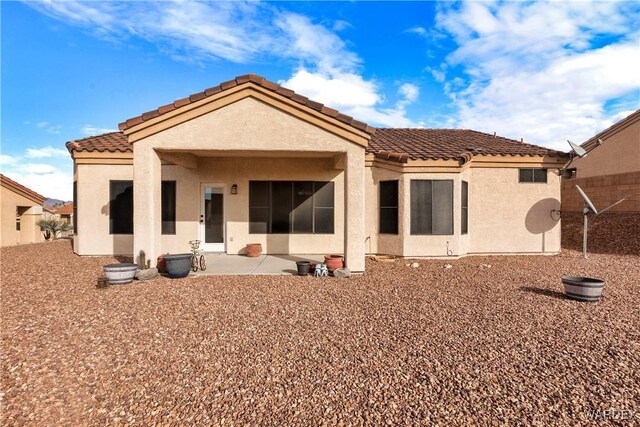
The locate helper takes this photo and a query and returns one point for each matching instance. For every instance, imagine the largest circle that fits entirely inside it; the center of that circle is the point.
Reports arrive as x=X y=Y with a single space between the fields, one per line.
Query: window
x=17 y=219
x=388 y=207
x=121 y=207
x=533 y=175
x=282 y=207
x=168 y=201
x=464 y=208
x=75 y=207
x=431 y=207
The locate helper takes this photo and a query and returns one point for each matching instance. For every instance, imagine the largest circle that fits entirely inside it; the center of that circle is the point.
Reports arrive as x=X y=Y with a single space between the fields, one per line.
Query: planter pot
x=254 y=249
x=303 y=268
x=120 y=274
x=333 y=262
x=582 y=288
x=178 y=265
x=161 y=264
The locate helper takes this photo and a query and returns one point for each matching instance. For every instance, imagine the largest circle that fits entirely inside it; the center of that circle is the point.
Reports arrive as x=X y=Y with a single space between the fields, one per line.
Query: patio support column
x=147 y=221
x=354 y=230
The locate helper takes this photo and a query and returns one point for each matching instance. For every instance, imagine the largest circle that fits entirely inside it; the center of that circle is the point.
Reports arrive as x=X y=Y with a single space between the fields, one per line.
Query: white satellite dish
x=580 y=152
x=589 y=207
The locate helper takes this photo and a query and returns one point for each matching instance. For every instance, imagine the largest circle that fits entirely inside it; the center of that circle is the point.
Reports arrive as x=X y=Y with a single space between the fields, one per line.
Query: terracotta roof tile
x=197 y=96
x=65 y=210
x=109 y=142
x=447 y=144
x=19 y=188
x=252 y=79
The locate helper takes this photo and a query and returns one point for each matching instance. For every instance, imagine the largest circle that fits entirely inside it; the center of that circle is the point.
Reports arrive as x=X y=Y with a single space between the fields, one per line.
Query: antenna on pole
x=590 y=207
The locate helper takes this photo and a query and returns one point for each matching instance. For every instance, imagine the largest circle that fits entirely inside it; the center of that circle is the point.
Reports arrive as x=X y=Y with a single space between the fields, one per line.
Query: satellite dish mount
x=590 y=208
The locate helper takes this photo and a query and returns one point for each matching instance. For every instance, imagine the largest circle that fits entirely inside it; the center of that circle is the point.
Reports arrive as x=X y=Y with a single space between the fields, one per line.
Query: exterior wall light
x=234 y=189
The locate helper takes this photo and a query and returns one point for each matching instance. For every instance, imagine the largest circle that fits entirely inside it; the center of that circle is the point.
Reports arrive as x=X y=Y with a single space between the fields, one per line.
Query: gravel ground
x=609 y=233
x=466 y=345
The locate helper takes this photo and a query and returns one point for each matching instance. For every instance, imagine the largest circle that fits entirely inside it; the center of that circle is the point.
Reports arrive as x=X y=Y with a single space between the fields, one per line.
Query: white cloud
x=326 y=69
x=538 y=70
x=421 y=31
x=50 y=128
x=48 y=151
x=6 y=159
x=55 y=183
x=91 y=130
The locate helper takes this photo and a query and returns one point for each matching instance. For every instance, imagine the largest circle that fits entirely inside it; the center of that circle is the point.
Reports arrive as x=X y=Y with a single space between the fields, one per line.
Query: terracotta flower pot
x=333 y=262
x=161 y=264
x=254 y=249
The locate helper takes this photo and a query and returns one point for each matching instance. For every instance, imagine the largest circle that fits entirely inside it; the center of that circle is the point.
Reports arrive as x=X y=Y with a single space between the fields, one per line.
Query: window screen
x=282 y=207
x=168 y=197
x=121 y=207
x=432 y=207
x=532 y=175
x=388 y=207
x=464 y=208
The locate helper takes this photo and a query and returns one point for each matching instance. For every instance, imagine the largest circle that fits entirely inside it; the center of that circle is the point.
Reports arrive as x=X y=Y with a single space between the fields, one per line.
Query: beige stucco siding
x=30 y=212
x=93 y=236
x=619 y=154
x=506 y=216
x=376 y=243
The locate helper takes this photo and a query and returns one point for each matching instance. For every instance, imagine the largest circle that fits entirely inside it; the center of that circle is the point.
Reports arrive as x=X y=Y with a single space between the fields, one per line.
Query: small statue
x=321 y=270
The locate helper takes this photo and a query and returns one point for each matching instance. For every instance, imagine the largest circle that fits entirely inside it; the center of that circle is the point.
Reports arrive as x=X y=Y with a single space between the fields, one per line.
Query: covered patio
x=220 y=264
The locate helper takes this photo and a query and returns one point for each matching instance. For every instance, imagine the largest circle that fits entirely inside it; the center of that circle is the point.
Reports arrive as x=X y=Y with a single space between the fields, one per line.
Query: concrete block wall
x=603 y=191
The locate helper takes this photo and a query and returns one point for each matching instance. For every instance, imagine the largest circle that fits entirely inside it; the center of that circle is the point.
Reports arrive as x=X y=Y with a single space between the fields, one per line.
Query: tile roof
x=447 y=144
x=399 y=145
x=111 y=142
x=21 y=189
x=247 y=79
x=65 y=210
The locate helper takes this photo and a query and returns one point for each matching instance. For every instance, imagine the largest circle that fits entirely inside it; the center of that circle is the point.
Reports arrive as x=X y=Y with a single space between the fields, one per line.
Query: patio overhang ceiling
x=153 y=122
x=189 y=158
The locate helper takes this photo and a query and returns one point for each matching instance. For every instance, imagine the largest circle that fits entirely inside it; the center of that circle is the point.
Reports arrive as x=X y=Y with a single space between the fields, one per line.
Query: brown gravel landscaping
x=466 y=345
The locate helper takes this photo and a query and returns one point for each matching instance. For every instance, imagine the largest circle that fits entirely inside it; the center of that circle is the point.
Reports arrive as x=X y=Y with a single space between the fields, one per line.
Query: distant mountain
x=54 y=203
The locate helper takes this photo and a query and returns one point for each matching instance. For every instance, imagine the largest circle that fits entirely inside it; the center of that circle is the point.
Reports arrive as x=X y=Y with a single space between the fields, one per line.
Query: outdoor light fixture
x=234 y=189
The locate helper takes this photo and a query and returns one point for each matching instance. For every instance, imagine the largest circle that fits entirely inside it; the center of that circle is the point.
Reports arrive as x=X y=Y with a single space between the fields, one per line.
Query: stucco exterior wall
x=376 y=243
x=31 y=214
x=619 y=154
x=506 y=216
x=92 y=236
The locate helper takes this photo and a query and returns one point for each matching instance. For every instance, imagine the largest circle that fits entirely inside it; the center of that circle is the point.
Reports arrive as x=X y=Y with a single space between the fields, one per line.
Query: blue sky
x=545 y=72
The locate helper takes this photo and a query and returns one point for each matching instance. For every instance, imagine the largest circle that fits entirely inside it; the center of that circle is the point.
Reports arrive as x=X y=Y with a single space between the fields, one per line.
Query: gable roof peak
x=254 y=79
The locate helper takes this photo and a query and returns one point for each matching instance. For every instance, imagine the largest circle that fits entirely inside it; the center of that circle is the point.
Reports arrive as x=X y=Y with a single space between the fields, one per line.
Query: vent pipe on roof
x=494 y=134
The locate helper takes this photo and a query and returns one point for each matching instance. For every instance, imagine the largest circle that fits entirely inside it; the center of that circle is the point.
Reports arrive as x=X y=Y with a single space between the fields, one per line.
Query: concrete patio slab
x=223 y=264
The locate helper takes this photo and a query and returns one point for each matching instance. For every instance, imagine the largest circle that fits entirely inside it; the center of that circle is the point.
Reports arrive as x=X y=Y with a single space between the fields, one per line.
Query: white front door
x=212 y=230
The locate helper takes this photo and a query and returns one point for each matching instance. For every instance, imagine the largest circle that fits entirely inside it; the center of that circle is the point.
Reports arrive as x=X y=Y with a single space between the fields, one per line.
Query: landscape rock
x=415 y=265
x=446 y=266
x=342 y=273
x=146 y=274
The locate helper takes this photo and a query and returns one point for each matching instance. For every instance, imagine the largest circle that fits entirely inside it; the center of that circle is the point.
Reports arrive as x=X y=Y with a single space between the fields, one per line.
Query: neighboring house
x=249 y=161
x=21 y=210
x=64 y=213
x=609 y=171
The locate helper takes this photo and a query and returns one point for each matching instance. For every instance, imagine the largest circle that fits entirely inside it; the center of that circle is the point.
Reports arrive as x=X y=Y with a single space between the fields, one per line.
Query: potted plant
x=254 y=249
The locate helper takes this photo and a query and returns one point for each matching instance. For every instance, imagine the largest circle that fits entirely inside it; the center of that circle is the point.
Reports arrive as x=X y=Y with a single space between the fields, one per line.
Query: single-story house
x=21 y=211
x=609 y=172
x=249 y=161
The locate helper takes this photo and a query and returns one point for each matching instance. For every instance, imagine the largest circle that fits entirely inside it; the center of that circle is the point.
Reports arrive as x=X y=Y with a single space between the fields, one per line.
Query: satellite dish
x=580 y=152
x=588 y=203
x=589 y=207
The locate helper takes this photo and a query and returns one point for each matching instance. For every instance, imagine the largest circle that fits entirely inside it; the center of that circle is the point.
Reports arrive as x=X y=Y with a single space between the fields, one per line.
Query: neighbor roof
x=444 y=144
x=65 y=210
x=247 y=79
x=22 y=190
x=592 y=142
